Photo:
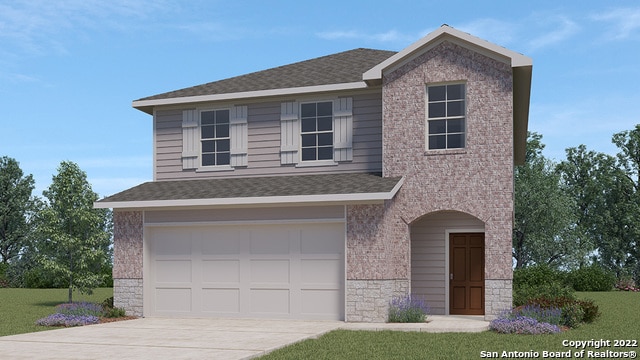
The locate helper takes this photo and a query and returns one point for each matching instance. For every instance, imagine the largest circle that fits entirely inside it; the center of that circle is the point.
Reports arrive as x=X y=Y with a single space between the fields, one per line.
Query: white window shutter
x=239 y=136
x=289 y=133
x=343 y=129
x=190 y=139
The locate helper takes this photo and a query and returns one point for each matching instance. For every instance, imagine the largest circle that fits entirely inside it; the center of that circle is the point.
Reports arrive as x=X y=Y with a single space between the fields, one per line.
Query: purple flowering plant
x=529 y=319
x=408 y=309
x=80 y=308
x=522 y=325
x=551 y=315
x=67 y=320
x=73 y=314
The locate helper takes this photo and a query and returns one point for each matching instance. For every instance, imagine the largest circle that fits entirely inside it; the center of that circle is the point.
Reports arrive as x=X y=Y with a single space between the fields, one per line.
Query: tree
x=16 y=208
x=607 y=202
x=629 y=160
x=544 y=217
x=75 y=238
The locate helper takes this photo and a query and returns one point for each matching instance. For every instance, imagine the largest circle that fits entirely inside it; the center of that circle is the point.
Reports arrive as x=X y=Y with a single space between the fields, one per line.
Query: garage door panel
x=318 y=239
x=270 y=301
x=321 y=302
x=173 y=300
x=221 y=271
x=323 y=271
x=223 y=241
x=270 y=271
x=277 y=271
x=221 y=301
x=270 y=240
x=173 y=271
x=172 y=242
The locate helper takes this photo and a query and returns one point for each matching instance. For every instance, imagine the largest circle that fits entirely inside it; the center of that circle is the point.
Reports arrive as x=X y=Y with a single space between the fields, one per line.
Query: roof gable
x=434 y=38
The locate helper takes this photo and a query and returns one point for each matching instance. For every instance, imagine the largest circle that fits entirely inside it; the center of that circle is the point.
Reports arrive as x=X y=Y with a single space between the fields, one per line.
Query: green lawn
x=20 y=308
x=620 y=320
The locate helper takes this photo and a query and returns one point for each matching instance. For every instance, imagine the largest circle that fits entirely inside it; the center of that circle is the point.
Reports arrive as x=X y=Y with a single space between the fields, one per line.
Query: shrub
x=538 y=281
x=80 y=309
x=408 y=309
x=107 y=303
x=114 y=312
x=591 y=278
x=522 y=325
x=574 y=311
x=627 y=285
x=536 y=275
x=59 y=319
x=551 y=315
x=590 y=309
x=4 y=281
x=572 y=315
x=81 y=313
x=522 y=294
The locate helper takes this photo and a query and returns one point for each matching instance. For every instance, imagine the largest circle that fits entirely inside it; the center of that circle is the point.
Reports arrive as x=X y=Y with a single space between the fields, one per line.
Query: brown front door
x=466 y=274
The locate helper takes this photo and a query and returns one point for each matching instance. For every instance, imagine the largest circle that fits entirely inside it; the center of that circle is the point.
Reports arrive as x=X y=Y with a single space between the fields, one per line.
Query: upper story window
x=316 y=131
x=446 y=111
x=214 y=137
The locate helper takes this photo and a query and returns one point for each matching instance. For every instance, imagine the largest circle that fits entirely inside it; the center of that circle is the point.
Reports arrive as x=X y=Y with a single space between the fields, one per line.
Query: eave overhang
x=148 y=105
x=331 y=189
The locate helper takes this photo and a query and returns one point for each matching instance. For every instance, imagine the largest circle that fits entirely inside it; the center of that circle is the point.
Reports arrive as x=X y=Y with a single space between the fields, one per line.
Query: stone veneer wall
x=368 y=300
x=498 y=297
x=127 y=261
x=376 y=263
x=477 y=180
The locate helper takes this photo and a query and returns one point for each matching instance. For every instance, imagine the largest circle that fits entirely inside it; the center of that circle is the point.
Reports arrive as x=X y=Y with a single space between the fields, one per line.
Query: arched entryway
x=445 y=243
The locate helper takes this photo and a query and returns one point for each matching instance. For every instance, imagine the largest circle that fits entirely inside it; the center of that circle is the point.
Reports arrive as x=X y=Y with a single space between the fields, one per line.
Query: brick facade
x=127 y=261
x=477 y=180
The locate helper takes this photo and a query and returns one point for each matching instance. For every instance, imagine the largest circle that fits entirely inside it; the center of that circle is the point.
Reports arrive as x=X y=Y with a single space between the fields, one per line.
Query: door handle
x=451 y=276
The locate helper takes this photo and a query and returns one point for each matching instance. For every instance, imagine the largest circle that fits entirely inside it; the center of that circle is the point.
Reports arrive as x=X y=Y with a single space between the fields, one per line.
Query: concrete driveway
x=157 y=338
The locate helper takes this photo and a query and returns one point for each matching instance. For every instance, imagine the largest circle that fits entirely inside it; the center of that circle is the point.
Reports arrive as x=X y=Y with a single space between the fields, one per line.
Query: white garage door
x=274 y=271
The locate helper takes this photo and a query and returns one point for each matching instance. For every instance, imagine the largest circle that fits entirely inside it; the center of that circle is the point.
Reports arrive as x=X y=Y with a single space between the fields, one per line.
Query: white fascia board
x=444 y=32
x=265 y=200
x=251 y=94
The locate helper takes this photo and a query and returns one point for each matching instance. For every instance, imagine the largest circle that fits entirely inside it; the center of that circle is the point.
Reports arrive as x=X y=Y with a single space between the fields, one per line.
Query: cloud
x=496 y=31
x=391 y=36
x=537 y=32
x=556 y=30
x=39 y=27
x=624 y=23
x=213 y=31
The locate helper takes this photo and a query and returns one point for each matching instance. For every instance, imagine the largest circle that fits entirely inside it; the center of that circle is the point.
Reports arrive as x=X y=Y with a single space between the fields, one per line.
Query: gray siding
x=245 y=214
x=428 y=254
x=264 y=143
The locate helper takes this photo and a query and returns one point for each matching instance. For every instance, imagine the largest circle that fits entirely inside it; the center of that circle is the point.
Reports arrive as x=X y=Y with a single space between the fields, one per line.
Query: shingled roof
x=252 y=190
x=344 y=67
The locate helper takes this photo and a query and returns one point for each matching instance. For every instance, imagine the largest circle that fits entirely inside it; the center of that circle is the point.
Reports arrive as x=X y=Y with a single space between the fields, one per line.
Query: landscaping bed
x=619 y=320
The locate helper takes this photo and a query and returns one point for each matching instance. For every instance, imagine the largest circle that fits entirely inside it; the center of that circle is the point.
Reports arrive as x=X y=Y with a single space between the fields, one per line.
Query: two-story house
x=325 y=188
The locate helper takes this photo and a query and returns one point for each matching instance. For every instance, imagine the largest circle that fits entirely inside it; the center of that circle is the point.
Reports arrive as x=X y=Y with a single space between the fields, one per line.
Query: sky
x=69 y=69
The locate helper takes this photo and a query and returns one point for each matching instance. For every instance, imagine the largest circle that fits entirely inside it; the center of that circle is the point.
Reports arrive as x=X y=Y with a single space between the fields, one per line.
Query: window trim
x=222 y=167
x=464 y=117
x=322 y=162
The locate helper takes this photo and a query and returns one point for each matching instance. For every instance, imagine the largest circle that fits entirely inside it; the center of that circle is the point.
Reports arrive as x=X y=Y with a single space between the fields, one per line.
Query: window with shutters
x=214 y=137
x=316 y=131
x=446 y=112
